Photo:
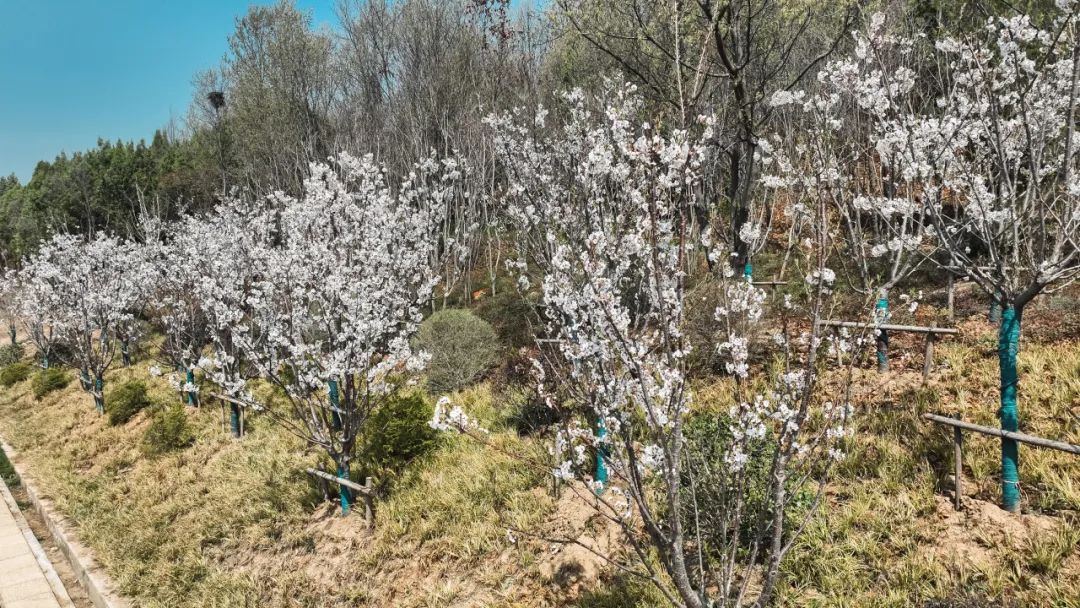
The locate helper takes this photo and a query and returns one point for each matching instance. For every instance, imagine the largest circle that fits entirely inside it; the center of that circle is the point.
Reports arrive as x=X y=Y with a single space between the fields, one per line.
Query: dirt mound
x=972 y=533
x=580 y=540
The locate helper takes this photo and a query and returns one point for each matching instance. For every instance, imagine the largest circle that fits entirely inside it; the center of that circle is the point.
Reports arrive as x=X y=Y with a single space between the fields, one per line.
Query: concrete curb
x=93 y=579
x=35 y=547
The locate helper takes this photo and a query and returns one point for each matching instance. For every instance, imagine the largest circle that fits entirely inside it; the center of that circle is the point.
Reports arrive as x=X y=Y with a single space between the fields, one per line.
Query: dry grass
x=889 y=536
x=227 y=523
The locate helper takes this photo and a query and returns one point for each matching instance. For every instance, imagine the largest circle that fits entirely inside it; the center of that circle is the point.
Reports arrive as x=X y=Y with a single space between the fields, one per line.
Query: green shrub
x=49 y=380
x=395 y=433
x=11 y=354
x=462 y=347
x=61 y=353
x=526 y=412
x=126 y=401
x=169 y=430
x=7 y=471
x=14 y=373
x=508 y=312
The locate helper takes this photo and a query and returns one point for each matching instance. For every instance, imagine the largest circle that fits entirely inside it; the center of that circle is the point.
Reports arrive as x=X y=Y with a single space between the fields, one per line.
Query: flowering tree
x=602 y=207
x=878 y=199
x=992 y=161
x=336 y=299
x=228 y=246
x=38 y=304
x=90 y=288
x=176 y=261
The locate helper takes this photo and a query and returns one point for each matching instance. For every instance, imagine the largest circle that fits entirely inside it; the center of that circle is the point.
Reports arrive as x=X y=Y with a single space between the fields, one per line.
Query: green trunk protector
x=601 y=467
x=1008 y=346
x=882 y=339
x=335 y=403
x=234 y=419
x=343 y=473
x=192 y=396
x=99 y=394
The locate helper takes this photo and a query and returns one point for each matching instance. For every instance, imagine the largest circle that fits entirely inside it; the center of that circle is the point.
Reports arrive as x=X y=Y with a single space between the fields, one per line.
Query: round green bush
x=49 y=380
x=508 y=312
x=129 y=399
x=11 y=354
x=397 y=432
x=462 y=347
x=169 y=430
x=14 y=373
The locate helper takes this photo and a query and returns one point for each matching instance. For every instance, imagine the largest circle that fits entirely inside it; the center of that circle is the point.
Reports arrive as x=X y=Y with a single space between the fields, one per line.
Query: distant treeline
x=399 y=79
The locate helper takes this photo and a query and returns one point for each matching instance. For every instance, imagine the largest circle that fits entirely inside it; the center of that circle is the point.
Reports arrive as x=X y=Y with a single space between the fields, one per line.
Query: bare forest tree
x=722 y=57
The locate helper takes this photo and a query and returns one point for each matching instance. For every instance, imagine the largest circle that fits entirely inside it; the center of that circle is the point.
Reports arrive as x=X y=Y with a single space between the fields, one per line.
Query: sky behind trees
x=73 y=71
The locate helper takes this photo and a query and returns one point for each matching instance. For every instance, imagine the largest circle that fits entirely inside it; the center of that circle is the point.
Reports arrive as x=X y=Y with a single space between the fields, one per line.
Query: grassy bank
x=237 y=523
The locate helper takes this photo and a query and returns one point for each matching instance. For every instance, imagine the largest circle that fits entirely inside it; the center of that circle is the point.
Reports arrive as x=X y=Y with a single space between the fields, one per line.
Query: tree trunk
x=335 y=403
x=234 y=418
x=601 y=467
x=125 y=353
x=192 y=396
x=344 y=494
x=99 y=394
x=1008 y=347
x=882 y=338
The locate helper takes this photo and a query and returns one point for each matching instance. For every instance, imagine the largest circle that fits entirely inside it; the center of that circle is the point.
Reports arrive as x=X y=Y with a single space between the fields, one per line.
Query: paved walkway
x=23 y=582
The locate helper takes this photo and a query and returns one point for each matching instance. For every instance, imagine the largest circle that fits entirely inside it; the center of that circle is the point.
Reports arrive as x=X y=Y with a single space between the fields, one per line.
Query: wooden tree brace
x=366 y=491
x=958 y=442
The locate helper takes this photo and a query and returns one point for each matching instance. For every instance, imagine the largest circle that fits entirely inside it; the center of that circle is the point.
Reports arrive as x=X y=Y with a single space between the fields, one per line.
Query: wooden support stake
x=950 y=294
x=958 y=465
x=369 y=504
x=1015 y=436
x=322 y=483
x=890 y=327
x=928 y=357
x=241 y=422
x=836 y=341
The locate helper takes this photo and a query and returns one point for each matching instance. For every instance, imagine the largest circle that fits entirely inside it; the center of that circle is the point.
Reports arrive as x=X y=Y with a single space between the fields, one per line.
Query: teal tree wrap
x=1008 y=347
x=343 y=473
x=99 y=394
x=234 y=419
x=881 y=315
x=601 y=466
x=335 y=403
x=192 y=396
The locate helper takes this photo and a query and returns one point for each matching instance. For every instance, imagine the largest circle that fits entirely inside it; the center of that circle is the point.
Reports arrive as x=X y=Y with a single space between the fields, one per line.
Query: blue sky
x=75 y=70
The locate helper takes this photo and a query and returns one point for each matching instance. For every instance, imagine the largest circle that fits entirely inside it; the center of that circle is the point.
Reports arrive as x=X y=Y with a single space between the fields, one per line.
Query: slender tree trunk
x=192 y=396
x=1008 y=347
x=234 y=419
x=601 y=466
x=99 y=394
x=994 y=315
x=344 y=494
x=125 y=352
x=335 y=403
x=882 y=339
